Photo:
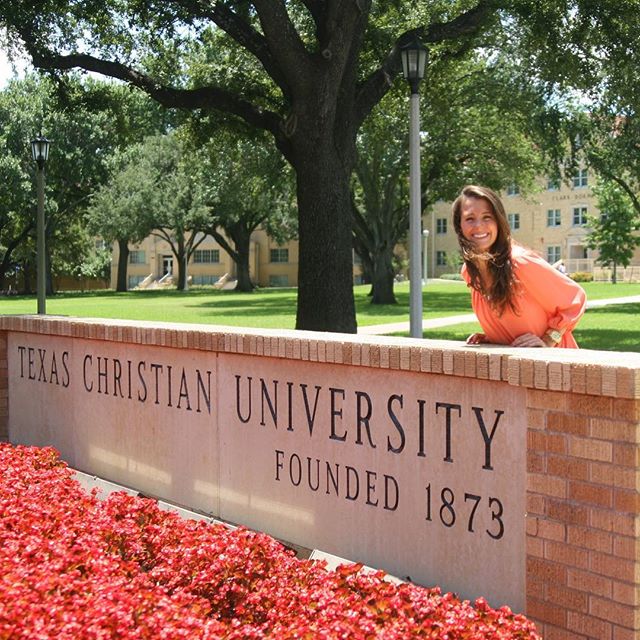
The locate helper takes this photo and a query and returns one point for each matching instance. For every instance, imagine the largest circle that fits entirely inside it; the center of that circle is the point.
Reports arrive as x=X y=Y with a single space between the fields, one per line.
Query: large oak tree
x=307 y=71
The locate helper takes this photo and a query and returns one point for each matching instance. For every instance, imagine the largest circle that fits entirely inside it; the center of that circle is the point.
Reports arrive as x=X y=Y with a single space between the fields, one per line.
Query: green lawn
x=612 y=328
x=268 y=308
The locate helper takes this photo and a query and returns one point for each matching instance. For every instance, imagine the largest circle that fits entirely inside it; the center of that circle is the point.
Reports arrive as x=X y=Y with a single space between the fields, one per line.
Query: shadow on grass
x=612 y=328
x=434 y=303
x=632 y=308
x=283 y=301
x=269 y=302
x=608 y=339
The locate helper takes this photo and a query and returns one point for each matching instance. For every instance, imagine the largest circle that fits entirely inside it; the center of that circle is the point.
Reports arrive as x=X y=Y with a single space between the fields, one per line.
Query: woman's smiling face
x=478 y=223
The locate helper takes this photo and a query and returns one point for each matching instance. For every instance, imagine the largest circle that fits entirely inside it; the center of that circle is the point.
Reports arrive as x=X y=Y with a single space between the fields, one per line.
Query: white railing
x=584 y=265
x=628 y=274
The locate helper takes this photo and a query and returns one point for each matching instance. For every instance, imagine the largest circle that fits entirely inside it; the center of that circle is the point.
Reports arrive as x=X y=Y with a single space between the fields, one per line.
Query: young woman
x=519 y=298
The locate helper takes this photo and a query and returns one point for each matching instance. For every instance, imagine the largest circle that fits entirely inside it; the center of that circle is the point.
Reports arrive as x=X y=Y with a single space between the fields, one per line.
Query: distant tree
x=16 y=225
x=309 y=73
x=615 y=234
x=87 y=121
x=479 y=124
x=81 y=143
x=177 y=204
x=96 y=266
x=156 y=191
x=119 y=210
x=247 y=185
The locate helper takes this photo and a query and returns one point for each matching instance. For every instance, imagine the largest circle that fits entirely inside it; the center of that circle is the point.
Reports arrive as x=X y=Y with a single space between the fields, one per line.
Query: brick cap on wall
x=598 y=373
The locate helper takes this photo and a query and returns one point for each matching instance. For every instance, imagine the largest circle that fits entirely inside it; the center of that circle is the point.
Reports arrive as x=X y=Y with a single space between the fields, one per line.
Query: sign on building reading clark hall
x=418 y=474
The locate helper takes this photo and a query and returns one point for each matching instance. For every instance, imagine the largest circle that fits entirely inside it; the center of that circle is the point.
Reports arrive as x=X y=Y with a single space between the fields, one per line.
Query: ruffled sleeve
x=563 y=300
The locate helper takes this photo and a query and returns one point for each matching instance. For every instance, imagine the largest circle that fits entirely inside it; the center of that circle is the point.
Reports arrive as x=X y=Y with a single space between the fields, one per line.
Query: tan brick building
x=271 y=264
x=552 y=221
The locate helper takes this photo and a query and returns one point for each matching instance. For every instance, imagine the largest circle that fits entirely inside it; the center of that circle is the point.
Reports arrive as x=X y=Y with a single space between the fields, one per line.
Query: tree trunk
x=123 y=261
x=182 y=269
x=4 y=267
x=614 y=274
x=48 y=272
x=27 y=288
x=382 y=278
x=6 y=259
x=242 y=241
x=325 y=268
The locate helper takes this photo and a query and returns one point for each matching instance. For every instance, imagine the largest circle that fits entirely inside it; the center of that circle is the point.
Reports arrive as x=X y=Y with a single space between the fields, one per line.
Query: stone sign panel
x=419 y=474
x=142 y=416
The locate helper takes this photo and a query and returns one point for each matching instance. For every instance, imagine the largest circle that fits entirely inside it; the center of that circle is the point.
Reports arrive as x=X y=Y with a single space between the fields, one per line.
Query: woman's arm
x=563 y=300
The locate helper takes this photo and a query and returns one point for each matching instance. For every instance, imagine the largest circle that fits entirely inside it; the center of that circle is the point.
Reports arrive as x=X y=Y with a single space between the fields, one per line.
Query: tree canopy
x=309 y=72
x=88 y=121
x=615 y=233
x=246 y=185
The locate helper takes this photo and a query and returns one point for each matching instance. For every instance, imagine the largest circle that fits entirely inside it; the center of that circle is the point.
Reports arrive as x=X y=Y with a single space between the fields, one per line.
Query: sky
x=6 y=71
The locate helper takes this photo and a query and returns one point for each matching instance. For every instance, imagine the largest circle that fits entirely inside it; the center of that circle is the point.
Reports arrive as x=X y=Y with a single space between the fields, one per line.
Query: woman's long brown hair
x=502 y=293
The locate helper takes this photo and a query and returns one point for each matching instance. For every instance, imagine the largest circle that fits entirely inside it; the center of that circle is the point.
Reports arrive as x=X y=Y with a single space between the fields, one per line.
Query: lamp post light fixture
x=414 y=59
x=40 y=152
x=425 y=237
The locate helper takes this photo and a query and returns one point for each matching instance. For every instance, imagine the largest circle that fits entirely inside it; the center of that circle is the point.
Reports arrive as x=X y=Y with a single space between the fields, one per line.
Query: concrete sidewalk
x=434 y=323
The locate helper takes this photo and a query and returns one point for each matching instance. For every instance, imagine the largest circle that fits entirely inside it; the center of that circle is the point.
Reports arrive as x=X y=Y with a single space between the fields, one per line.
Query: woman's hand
x=528 y=340
x=477 y=338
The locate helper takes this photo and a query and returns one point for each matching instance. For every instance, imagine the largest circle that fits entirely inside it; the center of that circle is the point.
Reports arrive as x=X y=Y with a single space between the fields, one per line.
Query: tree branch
x=373 y=89
x=622 y=183
x=193 y=244
x=201 y=98
x=222 y=241
x=284 y=41
x=317 y=10
x=243 y=33
x=466 y=24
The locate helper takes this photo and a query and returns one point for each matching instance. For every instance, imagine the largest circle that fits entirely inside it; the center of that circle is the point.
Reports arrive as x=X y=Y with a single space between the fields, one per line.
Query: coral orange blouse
x=547 y=299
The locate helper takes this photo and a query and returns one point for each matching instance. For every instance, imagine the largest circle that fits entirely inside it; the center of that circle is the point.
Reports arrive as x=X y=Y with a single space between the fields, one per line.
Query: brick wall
x=583 y=460
x=583 y=562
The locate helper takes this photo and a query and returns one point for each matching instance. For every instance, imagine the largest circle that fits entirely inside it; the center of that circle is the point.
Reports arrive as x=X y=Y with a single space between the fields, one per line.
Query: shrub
x=75 y=567
x=451 y=276
x=581 y=276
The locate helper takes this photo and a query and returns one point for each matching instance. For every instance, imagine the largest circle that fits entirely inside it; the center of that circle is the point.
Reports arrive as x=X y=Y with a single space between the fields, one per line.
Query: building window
x=513 y=190
x=279 y=255
x=514 y=220
x=206 y=256
x=579 y=216
x=137 y=257
x=553 y=217
x=553 y=253
x=134 y=281
x=441 y=258
x=441 y=225
x=553 y=184
x=204 y=279
x=581 y=179
x=278 y=280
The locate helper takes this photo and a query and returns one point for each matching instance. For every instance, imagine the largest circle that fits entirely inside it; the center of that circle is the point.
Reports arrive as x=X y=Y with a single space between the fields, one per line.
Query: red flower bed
x=75 y=567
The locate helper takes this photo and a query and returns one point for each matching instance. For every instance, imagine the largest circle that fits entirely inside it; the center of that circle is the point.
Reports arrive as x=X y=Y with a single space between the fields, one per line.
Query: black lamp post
x=40 y=152
x=414 y=59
